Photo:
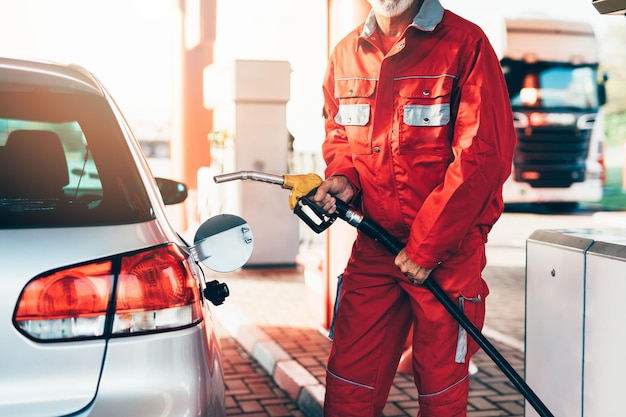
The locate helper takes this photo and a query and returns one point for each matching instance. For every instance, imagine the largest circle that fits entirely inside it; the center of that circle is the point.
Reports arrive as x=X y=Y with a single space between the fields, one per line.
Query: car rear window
x=64 y=162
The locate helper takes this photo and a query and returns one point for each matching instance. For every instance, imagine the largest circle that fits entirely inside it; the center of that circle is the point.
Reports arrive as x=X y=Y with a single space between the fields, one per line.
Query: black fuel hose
x=376 y=232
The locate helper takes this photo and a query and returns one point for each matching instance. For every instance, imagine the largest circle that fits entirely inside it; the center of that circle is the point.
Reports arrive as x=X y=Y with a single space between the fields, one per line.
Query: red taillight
x=67 y=304
x=155 y=291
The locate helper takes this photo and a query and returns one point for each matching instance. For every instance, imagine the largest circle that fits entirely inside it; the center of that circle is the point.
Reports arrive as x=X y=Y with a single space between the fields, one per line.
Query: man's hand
x=415 y=273
x=335 y=186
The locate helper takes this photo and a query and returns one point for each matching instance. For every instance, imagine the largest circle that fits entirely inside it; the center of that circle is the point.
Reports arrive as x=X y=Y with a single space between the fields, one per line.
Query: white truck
x=551 y=70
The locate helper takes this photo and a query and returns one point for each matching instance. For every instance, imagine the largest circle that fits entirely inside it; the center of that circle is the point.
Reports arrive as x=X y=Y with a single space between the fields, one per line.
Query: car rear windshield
x=65 y=162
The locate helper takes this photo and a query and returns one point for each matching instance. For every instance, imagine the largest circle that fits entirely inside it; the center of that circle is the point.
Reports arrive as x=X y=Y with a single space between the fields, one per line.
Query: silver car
x=103 y=306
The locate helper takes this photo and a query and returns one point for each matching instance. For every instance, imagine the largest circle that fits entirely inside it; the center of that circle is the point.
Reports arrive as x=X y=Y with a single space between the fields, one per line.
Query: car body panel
x=167 y=375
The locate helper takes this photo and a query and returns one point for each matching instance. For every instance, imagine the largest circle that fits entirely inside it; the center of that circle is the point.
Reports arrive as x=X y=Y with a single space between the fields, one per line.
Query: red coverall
x=425 y=136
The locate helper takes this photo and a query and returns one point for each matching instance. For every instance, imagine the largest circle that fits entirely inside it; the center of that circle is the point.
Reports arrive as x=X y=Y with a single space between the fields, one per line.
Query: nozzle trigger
x=311 y=214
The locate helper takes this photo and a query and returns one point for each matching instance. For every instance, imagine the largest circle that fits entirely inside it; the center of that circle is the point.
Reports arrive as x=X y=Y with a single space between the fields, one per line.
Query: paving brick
x=392 y=410
x=250 y=406
x=482 y=403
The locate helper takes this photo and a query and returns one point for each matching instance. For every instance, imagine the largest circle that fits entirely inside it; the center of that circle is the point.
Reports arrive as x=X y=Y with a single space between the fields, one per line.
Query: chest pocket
x=425 y=128
x=355 y=96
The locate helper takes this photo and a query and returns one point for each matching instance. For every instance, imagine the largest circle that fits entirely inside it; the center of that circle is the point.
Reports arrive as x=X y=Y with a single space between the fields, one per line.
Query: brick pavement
x=250 y=390
x=275 y=352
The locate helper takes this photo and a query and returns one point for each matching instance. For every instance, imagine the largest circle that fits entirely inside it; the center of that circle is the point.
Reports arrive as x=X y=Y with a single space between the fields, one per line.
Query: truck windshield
x=551 y=85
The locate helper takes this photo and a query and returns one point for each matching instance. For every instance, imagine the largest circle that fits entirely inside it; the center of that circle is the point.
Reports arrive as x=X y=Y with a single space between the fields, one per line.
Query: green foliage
x=612 y=47
x=613 y=64
x=614 y=197
x=615 y=127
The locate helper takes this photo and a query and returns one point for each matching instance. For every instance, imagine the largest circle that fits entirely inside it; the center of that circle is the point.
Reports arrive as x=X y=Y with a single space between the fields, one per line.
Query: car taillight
x=67 y=304
x=154 y=290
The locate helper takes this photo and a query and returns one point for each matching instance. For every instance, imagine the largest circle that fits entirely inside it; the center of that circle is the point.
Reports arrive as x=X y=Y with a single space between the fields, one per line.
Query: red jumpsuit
x=424 y=134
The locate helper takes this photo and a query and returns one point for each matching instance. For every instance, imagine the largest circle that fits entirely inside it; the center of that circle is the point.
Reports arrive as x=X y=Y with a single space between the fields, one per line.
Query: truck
x=551 y=70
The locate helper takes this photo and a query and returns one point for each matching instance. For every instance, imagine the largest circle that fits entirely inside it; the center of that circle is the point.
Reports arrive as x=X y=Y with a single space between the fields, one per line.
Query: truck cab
x=551 y=71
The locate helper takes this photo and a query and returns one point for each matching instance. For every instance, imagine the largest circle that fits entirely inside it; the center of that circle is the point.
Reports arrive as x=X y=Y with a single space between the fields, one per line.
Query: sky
x=128 y=44
x=132 y=44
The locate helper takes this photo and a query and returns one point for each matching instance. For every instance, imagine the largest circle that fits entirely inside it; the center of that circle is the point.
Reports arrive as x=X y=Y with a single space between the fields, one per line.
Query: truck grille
x=551 y=156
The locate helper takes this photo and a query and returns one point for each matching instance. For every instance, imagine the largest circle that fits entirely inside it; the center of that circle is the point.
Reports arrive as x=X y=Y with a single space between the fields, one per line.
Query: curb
x=299 y=384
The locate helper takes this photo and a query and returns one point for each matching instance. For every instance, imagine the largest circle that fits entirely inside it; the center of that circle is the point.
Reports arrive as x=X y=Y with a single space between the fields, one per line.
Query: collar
x=426 y=19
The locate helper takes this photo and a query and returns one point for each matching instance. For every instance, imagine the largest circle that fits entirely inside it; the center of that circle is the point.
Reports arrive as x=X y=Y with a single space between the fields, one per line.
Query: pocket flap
x=354 y=87
x=427 y=88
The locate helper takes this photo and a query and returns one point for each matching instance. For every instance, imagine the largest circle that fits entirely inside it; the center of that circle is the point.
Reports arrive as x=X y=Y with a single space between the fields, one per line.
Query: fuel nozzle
x=302 y=188
x=300 y=185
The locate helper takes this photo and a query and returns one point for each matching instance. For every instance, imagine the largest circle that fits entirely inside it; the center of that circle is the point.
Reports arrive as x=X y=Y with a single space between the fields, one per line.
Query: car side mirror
x=173 y=192
x=602 y=89
x=224 y=243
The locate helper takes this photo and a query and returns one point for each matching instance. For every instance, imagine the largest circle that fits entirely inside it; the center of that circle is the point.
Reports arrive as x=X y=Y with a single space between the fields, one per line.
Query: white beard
x=390 y=8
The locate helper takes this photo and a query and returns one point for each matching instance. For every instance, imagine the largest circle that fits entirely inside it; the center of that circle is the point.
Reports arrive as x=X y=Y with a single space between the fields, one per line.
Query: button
x=349 y=120
x=426 y=92
x=401 y=45
x=350 y=92
x=377 y=149
x=426 y=120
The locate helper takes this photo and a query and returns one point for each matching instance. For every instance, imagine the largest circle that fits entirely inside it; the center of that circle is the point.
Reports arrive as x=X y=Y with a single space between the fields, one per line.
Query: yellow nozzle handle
x=300 y=185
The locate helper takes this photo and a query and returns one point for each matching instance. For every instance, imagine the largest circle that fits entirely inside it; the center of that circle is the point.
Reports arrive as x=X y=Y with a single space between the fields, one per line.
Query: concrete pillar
x=249 y=99
x=343 y=16
x=192 y=122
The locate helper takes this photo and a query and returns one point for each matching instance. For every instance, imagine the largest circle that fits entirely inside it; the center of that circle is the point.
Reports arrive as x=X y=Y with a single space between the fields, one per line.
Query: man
x=420 y=138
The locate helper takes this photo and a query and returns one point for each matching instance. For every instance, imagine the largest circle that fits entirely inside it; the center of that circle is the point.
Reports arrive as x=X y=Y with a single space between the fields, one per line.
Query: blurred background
x=146 y=51
x=134 y=47
x=156 y=57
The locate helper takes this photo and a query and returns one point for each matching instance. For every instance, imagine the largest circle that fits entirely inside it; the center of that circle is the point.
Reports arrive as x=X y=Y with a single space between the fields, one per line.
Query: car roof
x=16 y=72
